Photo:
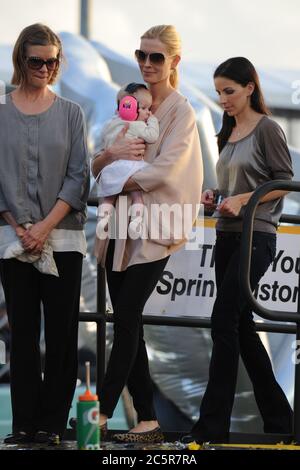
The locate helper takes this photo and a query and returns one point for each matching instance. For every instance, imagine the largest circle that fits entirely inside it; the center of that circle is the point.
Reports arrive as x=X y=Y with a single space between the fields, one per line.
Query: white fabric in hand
x=44 y=262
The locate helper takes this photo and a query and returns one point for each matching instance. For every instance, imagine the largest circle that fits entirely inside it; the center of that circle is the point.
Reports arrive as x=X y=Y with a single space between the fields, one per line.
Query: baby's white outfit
x=113 y=177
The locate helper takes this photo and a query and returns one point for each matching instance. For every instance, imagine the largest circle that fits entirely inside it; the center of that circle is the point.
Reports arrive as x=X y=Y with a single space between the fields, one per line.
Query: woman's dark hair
x=33 y=35
x=242 y=71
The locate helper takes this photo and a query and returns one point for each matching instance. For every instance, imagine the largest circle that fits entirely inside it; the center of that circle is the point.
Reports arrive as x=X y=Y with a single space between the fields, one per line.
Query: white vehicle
x=179 y=357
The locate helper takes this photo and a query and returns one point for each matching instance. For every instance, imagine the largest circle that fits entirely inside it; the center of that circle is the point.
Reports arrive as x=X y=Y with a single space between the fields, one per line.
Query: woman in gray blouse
x=44 y=185
x=253 y=150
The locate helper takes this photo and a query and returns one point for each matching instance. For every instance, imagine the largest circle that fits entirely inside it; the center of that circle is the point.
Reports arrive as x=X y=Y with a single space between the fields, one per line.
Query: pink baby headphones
x=128 y=108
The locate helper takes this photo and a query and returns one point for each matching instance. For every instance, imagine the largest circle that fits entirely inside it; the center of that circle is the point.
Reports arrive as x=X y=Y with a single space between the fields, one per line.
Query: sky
x=265 y=31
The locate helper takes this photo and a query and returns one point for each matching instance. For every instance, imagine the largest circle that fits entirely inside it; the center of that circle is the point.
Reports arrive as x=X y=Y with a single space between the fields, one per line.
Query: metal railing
x=101 y=317
x=279 y=316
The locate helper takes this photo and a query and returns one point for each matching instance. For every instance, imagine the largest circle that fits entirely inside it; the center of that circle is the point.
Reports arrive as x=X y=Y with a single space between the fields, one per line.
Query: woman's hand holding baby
x=127 y=149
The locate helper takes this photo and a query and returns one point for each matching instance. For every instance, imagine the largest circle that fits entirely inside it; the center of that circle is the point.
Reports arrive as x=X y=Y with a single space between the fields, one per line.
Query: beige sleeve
x=178 y=149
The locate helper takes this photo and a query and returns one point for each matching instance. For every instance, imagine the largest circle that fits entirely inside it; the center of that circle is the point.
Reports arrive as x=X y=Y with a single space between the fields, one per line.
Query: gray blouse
x=43 y=158
x=261 y=156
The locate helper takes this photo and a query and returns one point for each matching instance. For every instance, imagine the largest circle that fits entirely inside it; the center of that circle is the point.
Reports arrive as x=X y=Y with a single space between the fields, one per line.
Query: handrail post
x=297 y=376
x=246 y=244
x=101 y=328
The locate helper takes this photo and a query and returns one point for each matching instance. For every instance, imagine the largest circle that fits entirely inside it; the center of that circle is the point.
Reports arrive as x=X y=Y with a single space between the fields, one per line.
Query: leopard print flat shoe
x=149 y=437
x=103 y=432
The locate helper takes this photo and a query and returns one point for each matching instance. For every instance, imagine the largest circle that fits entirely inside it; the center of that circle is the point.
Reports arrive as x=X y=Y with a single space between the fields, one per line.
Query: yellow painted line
x=293 y=229
x=207 y=446
x=258 y=446
x=211 y=223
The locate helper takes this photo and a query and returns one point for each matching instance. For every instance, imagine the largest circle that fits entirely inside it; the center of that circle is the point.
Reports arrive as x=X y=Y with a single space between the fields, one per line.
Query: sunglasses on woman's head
x=155 y=58
x=36 y=63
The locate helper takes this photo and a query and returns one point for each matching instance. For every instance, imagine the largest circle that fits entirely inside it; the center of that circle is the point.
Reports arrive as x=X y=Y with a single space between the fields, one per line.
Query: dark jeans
x=42 y=404
x=233 y=334
x=128 y=363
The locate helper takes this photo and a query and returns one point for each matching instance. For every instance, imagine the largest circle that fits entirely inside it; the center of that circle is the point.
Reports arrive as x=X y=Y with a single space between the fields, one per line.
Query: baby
x=134 y=103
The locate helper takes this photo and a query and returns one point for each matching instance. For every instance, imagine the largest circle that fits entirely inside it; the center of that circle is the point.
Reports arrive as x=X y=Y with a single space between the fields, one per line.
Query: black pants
x=233 y=334
x=128 y=363
x=42 y=404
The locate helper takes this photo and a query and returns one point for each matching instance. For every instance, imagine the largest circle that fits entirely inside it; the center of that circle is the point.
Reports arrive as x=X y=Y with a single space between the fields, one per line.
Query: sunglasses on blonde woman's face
x=36 y=63
x=155 y=58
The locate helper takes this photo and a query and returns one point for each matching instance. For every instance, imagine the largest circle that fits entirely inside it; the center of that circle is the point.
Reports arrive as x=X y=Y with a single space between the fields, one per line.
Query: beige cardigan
x=174 y=177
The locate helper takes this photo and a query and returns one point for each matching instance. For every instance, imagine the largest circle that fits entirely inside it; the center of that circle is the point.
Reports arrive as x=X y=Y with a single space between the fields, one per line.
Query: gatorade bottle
x=88 y=433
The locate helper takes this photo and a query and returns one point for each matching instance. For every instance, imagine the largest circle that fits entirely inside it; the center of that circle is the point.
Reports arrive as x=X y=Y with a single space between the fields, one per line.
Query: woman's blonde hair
x=33 y=35
x=168 y=35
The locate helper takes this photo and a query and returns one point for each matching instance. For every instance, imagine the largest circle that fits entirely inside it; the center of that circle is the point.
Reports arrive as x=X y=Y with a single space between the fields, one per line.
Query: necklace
x=239 y=131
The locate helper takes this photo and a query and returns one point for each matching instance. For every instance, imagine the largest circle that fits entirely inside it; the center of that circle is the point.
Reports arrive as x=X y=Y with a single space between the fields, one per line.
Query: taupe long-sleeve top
x=43 y=158
x=261 y=156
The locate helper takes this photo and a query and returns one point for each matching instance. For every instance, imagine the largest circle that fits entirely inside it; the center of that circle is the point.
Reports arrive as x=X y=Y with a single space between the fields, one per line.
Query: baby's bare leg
x=110 y=200
x=137 y=197
x=135 y=228
x=105 y=211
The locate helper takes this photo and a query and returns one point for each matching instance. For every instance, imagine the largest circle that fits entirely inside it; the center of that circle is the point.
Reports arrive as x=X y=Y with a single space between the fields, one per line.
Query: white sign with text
x=187 y=286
